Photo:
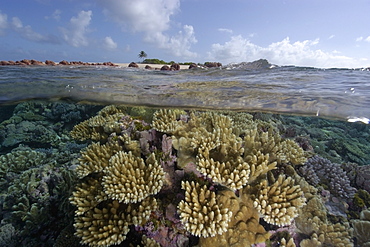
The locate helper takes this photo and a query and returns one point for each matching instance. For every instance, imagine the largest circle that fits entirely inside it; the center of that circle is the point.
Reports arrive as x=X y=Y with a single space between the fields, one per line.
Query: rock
x=4 y=63
x=165 y=67
x=148 y=67
x=35 y=62
x=133 y=65
x=175 y=66
x=64 y=62
x=48 y=62
x=25 y=62
x=193 y=65
x=212 y=64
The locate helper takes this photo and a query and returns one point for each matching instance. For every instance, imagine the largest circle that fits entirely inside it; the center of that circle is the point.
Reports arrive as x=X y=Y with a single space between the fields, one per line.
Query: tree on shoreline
x=142 y=55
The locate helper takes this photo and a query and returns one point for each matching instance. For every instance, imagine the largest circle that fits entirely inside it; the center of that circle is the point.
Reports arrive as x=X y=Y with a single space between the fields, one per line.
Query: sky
x=315 y=33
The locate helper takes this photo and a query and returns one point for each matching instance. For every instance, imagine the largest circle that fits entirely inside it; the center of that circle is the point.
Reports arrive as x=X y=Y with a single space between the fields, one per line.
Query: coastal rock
x=175 y=66
x=49 y=62
x=165 y=67
x=35 y=62
x=193 y=65
x=212 y=64
x=64 y=62
x=148 y=67
x=4 y=63
x=133 y=65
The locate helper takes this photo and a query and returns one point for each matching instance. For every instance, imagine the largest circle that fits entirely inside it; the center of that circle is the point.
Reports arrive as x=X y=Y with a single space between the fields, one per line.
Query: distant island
x=156 y=64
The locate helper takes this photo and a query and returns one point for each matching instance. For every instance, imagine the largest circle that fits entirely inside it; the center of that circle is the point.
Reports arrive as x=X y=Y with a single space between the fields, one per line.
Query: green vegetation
x=142 y=54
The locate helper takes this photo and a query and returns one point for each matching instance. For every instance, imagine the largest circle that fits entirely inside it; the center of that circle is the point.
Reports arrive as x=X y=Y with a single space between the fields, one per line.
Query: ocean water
x=325 y=112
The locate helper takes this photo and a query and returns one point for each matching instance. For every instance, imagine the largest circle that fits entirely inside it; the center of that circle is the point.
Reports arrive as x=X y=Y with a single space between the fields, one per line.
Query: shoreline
x=153 y=66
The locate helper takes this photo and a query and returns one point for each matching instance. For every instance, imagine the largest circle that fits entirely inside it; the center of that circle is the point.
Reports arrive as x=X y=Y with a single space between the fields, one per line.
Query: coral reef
x=280 y=201
x=318 y=170
x=244 y=228
x=201 y=213
x=361 y=228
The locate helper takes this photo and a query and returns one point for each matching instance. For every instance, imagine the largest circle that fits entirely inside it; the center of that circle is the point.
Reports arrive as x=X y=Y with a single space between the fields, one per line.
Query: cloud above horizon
x=152 y=18
x=28 y=33
x=75 y=33
x=302 y=53
x=109 y=44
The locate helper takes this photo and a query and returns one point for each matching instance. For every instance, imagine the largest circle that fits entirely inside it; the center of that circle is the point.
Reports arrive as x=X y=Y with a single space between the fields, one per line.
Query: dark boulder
x=133 y=65
x=64 y=62
x=148 y=67
x=175 y=66
x=48 y=62
x=212 y=64
x=165 y=67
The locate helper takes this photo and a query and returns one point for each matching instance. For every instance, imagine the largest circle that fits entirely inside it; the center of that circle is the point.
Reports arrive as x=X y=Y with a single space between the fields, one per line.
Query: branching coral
x=129 y=179
x=96 y=157
x=321 y=170
x=99 y=127
x=244 y=228
x=279 y=202
x=109 y=225
x=200 y=212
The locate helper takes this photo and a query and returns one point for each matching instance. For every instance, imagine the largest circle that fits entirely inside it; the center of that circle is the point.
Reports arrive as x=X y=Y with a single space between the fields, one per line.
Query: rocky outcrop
x=212 y=64
x=133 y=65
x=27 y=62
x=165 y=67
x=175 y=66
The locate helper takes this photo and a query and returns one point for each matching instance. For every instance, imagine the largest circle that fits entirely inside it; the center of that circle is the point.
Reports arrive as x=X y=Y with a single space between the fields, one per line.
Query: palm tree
x=142 y=54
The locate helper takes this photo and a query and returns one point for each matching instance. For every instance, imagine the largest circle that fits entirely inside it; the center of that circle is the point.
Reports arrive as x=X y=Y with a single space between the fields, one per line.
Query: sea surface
x=334 y=93
x=323 y=112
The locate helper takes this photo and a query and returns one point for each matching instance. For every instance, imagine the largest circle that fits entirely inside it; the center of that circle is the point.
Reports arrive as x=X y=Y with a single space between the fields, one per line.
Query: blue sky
x=319 y=33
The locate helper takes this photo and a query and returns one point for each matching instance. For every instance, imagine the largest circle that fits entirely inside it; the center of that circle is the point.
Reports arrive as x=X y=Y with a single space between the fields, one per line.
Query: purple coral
x=318 y=170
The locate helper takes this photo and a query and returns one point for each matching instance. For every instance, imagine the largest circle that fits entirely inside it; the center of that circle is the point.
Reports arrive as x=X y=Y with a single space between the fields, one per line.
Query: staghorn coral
x=200 y=212
x=244 y=228
x=99 y=127
x=87 y=195
x=96 y=157
x=109 y=225
x=280 y=201
x=129 y=179
x=313 y=222
x=270 y=142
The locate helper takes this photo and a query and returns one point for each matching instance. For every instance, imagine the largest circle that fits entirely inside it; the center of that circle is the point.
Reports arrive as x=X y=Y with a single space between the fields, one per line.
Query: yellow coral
x=129 y=179
x=200 y=212
x=95 y=158
x=102 y=227
x=244 y=228
x=99 y=127
x=87 y=195
x=109 y=225
x=280 y=201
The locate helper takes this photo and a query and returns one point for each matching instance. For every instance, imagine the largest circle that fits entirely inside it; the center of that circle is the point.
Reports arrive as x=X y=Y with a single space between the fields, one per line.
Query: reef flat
x=90 y=175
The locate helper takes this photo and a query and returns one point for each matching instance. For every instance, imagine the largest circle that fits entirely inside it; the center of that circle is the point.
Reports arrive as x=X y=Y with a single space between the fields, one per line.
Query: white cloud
x=153 y=19
x=28 y=33
x=331 y=36
x=225 y=30
x=55 y=15
x=363 y=39
x=180 y=44
x=3 y=23
x=109 y=44
x=300 y=53
x=75 y=34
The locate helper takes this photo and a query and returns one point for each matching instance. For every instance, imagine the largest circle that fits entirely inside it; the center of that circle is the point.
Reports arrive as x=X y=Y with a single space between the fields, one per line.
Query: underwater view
x=247 y=154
